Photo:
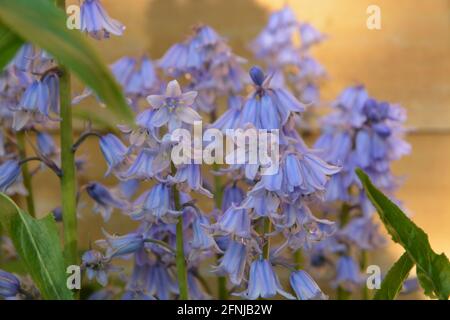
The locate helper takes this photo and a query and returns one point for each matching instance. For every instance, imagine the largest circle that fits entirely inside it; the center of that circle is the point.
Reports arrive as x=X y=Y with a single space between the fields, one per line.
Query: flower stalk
x=26 y=173
x=180 y=259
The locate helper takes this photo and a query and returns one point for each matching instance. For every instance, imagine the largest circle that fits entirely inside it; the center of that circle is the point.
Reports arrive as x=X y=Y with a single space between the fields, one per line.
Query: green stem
x=26 y=173
x=68 y=178
x=267 y=229
x=343 y=294
x=180 y=259
x=363 y=266
x=298 y=259
x=218 y=196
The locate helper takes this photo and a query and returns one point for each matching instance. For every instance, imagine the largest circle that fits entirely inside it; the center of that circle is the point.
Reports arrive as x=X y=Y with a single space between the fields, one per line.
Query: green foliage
x=38 y=246
x=393 y=282
x=9 y=45
x=42 y=23
x=433 y=270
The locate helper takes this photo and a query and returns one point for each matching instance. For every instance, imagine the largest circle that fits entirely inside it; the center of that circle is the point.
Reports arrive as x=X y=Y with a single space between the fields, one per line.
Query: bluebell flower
x=364 y=233
x=46 y=144
x=115 y=153
x=175 y=59
x=137 y=77
x=160 y=282
x=202 y=239
x=23 y=60
x=9 y=285
x=306 y=172
x=128 y=188
x=96 y=266
x=174 y=107
x=194 y=286
x=9 y=173
x=105 y=202
x=34 y=105
x=117 y=246
x=232 y=195
x=157 y=204
x=233 y=262
x=235 y=221
x=97 y=23
x=263 y=282
x=305 y=287
x=143 y=166
x=189 y=177
x=267 y=107
x=348 y=275
x=52 y=83
x=230 y=119
x=310 y=35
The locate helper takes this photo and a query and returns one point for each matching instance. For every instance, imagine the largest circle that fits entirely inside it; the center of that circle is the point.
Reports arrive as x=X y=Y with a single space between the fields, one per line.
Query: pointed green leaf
x=433 y=270
x=9 y=44
x=42 y=23
x=393 y=282
x=38 y=245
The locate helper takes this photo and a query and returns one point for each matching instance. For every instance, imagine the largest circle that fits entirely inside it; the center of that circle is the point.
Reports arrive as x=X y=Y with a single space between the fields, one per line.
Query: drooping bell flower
x=105 y=202
x=233 y=262
x=263 y=282
x=9 y=173
x=97 y=23
x=115 y=153
x=305 y=287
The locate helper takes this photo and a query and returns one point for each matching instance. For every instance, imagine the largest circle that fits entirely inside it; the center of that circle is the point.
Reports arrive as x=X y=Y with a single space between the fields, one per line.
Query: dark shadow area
x=170 y=21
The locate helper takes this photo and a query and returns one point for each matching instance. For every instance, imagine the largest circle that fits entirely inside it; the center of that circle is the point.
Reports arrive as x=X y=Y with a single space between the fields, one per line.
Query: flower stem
x=218 y=195
x=267 y=229
x=180 y=259
x=363 y=266
x=68 y=178
x=26 y=174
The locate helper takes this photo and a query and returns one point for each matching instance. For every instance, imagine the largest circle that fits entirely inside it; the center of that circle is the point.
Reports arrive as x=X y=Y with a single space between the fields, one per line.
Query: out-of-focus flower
x=117 y=246
x=46 y=144
x=105 y=202
x=9 y=173
x=97 y=23
x=33 y=106
x=310 y=35
x=305 y=287
x=9 y=285
x=348 y=275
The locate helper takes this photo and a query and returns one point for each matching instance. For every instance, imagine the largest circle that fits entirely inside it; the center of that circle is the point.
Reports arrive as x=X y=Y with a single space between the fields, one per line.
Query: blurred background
x=407 y=61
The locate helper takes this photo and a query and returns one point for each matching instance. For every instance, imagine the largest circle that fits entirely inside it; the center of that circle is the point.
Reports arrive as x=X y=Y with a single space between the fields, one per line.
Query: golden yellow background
x=407 y=61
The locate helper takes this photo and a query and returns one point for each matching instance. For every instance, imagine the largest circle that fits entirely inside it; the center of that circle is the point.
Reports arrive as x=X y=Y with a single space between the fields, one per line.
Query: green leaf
x=393 y=282
x=42 y=23
x=38 y=245
x=9 y=44
x=433 y=270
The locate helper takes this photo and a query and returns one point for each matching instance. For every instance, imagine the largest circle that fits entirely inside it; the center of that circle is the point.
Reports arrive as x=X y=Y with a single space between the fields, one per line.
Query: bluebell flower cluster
x=366 y=133
x=284 y=46
x=209 y=65
x=281 y=198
